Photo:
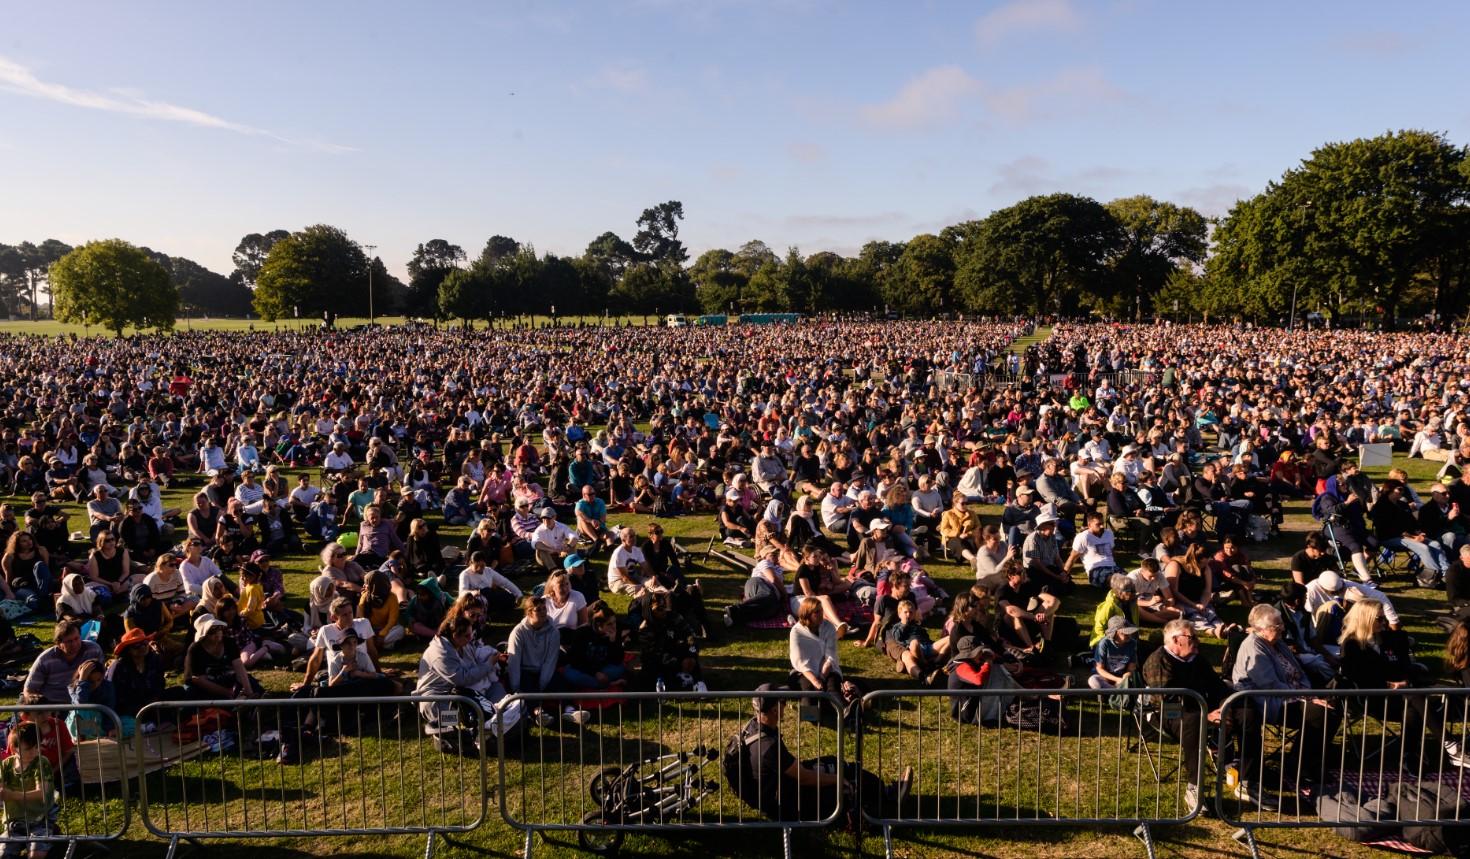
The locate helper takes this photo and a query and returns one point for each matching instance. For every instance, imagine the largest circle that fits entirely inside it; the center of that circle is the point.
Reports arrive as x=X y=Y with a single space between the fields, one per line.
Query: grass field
x=53 y=328
x=740 y=659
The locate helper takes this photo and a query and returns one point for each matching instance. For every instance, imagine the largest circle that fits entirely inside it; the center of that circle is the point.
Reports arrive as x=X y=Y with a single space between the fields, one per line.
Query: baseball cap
x=1118 y=623
x=572 y=560
x=762 y=703
x=1330 y=581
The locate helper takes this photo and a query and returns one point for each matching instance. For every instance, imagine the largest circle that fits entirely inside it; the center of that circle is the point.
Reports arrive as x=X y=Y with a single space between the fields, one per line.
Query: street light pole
x=1291 y=324
x=371 y=316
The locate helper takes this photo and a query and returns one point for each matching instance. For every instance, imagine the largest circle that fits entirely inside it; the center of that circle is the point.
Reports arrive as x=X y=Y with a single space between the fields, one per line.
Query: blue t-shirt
x=596 y=509
x=1116 y=657
x=901 y=516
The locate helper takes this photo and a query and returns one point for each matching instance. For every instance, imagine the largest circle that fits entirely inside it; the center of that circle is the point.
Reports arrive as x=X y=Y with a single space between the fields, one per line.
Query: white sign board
x=1371 y=455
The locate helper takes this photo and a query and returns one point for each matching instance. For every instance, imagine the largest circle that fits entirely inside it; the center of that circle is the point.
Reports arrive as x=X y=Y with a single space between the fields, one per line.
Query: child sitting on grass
x=909 y=647
x=26 y=785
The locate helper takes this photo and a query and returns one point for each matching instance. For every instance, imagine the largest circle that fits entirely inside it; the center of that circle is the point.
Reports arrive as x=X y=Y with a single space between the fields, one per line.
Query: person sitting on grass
x=1116 y=657
x=1028 y=612
x=909 y=647
x=1155 y=601
x=813 y=651
x=591 y=513
x=885 y=609
x=765 y=592
x=769 y=778
x=595 y=655
x=27 y=789
x=535 y=649
x=501 y=594
x=1122 y=600
x=669 y=653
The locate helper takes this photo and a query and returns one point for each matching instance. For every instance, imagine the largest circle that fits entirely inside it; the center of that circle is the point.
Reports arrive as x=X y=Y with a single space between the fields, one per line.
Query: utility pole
x=370 y=249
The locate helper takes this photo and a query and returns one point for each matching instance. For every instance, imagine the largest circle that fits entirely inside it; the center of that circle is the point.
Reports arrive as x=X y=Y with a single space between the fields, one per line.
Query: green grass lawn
x=53 y=328
x=553 y=776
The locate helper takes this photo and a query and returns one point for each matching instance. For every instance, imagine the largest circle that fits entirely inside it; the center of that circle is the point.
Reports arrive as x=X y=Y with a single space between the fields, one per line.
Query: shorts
x=18 y=834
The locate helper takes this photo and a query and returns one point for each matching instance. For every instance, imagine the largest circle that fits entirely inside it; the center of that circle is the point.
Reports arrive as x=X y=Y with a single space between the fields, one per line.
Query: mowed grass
x=54 y=328
x=550 y=775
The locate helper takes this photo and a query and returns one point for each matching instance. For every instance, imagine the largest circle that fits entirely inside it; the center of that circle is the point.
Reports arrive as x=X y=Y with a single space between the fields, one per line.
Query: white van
x=676 y=320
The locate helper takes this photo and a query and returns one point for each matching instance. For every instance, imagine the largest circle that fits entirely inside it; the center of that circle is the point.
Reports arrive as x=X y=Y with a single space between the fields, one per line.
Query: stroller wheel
x=604 y=842
x=598 y=786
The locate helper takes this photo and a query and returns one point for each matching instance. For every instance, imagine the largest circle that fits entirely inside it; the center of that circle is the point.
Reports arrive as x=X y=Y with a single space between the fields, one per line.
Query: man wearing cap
x=553 y=540
x=1018 y=517
x=1042 y=556
x=1116 y=656
x=773 y=781
x=1331 y=587
x=1442 y=518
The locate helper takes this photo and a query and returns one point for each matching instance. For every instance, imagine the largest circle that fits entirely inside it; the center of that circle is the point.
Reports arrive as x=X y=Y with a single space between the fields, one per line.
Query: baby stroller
x=651 y=791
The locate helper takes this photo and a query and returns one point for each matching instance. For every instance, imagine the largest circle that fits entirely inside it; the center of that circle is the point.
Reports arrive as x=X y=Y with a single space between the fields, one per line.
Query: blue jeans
x=38 y=602
x=1430 y=553
x=579 y=680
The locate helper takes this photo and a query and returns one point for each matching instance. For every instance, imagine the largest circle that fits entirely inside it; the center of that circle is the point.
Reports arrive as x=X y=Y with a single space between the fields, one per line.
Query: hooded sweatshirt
x=533 y=649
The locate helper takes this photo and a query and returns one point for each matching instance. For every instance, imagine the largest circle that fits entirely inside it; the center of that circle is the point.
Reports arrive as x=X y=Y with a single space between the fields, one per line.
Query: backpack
x=1036 y=714
x=735 y=763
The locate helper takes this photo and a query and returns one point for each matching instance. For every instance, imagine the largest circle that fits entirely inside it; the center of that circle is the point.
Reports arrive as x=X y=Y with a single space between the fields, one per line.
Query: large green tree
x=1045 y=254
x=657 y=239
x=113 y=284
x=923 y=278
x=250 y=255
x=718 y=281
x=432 y=261
x=1355 y=229
x=36 y=263
x=1158 y=239
x=314 y=271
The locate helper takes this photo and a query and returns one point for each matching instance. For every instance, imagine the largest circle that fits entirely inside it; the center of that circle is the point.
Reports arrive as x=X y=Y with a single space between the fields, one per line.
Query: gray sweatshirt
x=533 y=649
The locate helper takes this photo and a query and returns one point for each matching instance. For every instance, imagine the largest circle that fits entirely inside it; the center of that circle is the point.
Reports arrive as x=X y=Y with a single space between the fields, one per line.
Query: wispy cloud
x=807 y=153
x=621 y=77
x=932 y=97
x=19 y=79
x=1030 y=174
x=943 y=93
x=1023 y=16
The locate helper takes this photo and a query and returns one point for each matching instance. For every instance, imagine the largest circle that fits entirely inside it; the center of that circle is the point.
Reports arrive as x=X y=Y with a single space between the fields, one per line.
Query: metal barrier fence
x=1368 y=762
x=1060 y=757
x=313 y=767
x=651 y=762
x=85 y=797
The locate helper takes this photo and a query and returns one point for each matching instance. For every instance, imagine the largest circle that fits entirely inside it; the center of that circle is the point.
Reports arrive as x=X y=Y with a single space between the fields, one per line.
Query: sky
x=819 y=124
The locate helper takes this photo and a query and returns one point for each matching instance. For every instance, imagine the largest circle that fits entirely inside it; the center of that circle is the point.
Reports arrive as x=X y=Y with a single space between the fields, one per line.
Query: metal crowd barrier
x=651 y=762
x=281 y=768
x=1369 y=762
x=88 y=793
x=1083 y=762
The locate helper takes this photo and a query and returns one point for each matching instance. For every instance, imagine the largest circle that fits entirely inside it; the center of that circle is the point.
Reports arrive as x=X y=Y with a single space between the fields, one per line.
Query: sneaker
x=732 y=541
x=729 y=617
x=700 y=687
x=576 y=717
x=1456 y=754
x=1251 y=795
x=544 y=719
x=1191 y=797
x=842 y=631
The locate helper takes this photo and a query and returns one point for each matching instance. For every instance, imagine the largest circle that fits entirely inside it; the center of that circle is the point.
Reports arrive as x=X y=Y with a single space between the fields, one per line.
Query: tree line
x=1374 y=227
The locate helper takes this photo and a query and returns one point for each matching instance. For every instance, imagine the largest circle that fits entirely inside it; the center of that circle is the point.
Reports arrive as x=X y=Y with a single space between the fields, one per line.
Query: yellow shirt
x=252 y=605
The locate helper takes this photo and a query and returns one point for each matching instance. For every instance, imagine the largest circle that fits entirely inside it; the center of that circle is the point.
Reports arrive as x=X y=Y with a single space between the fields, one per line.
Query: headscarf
x=211 y=592
x=147 y=618
x=76 y=597
x=775 y=513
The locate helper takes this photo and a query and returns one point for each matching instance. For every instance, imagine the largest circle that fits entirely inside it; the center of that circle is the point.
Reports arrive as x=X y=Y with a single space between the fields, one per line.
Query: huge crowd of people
x=840 y=462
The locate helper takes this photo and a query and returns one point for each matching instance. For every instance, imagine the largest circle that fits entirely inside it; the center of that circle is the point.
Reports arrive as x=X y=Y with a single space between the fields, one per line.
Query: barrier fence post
x=299 y=767
x=1372 y=763
x=85 y=796
x=1024 y=757
x=652 y=762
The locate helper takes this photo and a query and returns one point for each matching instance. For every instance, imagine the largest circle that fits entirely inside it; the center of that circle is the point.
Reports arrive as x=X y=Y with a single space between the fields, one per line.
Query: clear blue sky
x=817 y=124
